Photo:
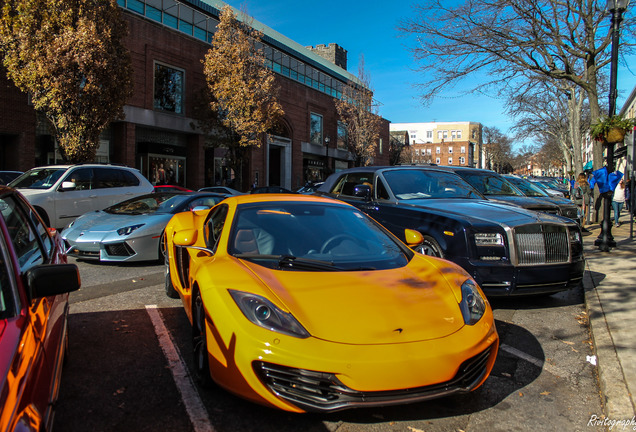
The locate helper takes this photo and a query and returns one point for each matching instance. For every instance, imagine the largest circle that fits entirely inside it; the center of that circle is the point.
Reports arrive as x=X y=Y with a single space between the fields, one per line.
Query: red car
x=171 y=188
x=35 y=280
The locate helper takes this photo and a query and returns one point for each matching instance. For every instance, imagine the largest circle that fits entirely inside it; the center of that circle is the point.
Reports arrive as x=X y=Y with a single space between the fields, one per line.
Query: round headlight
x=262 y=312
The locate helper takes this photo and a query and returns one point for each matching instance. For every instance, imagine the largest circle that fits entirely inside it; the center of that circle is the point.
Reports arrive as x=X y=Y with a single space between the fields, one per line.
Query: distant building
x=444 y=143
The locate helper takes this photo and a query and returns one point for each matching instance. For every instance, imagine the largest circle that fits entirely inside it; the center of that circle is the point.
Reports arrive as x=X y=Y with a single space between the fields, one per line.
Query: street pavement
x=610 y=296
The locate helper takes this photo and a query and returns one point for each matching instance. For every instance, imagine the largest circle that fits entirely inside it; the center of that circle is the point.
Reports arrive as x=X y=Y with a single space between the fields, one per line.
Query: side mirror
x=186 y=237
x=68 y=185
x=52 y=279
x=413 y=237
x=362 y=191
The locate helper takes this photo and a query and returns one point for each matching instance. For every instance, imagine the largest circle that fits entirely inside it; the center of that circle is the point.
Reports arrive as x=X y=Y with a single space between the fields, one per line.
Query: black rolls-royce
x=507 y=250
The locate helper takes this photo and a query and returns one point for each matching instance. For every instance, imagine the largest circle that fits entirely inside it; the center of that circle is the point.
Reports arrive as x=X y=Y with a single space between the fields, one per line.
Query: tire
x=430 y=247
x=200 y=343
x=169 y=287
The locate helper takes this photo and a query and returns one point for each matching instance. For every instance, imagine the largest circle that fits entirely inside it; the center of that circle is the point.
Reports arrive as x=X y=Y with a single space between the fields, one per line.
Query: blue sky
x=369 y=29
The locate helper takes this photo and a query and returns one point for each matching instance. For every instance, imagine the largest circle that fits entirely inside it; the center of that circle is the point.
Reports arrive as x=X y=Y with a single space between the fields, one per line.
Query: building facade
x=168 y=41
x=443 y=143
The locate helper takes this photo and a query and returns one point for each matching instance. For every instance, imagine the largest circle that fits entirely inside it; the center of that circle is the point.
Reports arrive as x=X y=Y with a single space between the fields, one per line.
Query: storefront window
x=168 y=89
x=315 y=131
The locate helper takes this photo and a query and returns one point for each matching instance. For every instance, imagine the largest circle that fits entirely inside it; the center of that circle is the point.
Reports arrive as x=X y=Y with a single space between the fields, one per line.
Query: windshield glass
x=420 y=184
x=38 y=178
x=527 y=187
x=315 y=236
x=490 y=184
x=151 y=203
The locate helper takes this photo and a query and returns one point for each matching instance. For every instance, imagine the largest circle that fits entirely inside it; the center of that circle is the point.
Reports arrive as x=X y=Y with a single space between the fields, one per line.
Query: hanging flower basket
x=611 y=129
x=615 y=135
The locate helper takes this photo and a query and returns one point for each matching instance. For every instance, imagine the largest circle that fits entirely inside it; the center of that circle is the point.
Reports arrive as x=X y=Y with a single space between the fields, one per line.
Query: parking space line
x=535 y=361
x=193 y=404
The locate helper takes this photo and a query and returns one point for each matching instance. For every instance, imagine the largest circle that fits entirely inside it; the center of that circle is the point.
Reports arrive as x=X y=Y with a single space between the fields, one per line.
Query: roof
x=280 y=41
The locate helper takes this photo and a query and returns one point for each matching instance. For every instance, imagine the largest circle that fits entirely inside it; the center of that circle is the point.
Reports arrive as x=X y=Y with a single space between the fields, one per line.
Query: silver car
x=133 y=229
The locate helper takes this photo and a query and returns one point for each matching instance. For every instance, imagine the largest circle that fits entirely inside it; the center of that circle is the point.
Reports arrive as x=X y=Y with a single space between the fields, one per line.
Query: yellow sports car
x=305 y=303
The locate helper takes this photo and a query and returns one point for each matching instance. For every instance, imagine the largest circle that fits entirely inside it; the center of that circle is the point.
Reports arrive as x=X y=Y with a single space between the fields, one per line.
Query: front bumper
x=302 y=375
x=110 y=247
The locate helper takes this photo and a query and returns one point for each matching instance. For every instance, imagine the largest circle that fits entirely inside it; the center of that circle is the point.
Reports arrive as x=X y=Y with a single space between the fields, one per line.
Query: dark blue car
x=507 y=250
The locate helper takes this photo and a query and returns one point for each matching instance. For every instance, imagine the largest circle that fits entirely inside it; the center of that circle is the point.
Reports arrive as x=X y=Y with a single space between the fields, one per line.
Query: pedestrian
x=586 y=195
x=618 y=201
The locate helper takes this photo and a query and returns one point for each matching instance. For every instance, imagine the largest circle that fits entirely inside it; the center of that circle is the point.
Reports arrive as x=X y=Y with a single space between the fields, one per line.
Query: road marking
x=193 y=404
x=535 y=361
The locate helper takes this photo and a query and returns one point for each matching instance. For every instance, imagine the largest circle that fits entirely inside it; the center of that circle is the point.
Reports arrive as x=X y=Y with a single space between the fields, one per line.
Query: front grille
x=321 y=391
x=542 y=244
x=119 y=249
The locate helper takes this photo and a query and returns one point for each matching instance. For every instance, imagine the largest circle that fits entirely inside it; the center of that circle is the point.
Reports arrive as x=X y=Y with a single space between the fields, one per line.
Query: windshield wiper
x=293 y=262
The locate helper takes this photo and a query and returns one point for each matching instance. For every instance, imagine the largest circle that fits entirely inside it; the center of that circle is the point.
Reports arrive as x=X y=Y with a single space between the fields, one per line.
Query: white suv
x=60 y=193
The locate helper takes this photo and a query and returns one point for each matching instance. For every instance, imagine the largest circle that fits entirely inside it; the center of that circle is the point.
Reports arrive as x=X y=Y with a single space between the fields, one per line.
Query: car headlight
x=473 y=304
x=264 y=313
x=489 y=239
x=575 y=236
x=128 y=230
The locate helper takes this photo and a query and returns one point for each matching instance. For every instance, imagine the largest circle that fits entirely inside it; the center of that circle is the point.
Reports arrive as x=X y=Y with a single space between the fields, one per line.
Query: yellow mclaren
x=304 y=303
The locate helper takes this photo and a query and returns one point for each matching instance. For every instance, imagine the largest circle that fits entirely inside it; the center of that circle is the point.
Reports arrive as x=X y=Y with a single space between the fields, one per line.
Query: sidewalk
x=610 y=296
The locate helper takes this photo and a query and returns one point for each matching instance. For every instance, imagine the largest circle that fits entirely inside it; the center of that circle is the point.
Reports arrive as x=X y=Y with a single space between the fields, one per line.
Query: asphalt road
x=127 y=337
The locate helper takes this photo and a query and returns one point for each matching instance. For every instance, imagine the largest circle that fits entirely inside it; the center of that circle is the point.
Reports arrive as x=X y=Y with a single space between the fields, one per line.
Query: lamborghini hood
x=367 y=307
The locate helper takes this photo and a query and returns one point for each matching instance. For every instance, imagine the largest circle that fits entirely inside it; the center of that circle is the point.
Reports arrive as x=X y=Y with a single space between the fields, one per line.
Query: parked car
x=551 y=186
x=270 y=190
x=566 y=207
x=7 y=177
x=498 y=188
x=303 y=303
x=60 y=193
x=309 y=188
x=221 y=189
x=35 y=280
x=131 y=230
x=508 y=250
x=171 y=188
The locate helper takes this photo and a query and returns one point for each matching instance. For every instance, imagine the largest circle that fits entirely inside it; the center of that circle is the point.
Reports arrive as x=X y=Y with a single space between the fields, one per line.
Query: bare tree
x=510 y=40
x=359 y=113
x=498 y=148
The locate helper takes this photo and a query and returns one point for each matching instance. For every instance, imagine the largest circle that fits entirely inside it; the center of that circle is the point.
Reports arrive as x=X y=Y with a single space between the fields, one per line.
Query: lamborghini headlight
x=128 y=230
x=264 y=313
x=473 y=305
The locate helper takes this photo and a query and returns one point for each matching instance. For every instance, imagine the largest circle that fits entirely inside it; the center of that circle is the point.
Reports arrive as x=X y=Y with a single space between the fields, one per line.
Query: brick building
x=444 y=143
x=167 y=41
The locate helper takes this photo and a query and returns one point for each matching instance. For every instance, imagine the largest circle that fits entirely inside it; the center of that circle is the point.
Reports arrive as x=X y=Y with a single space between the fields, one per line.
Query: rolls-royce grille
x=542 y=244
x=320 y=391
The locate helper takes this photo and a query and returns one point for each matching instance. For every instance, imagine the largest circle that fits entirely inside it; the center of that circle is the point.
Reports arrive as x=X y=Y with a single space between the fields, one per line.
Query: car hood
x=482 y=211
x=408 y=304
x=100 y=221
x=524 y=201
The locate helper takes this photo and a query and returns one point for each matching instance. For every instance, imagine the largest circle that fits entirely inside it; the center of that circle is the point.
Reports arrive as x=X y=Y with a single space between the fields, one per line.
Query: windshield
x=313 y=236
x=151 y=203
x=527 y=187
x=38 y=178
x=490 y=184
x=418 y=184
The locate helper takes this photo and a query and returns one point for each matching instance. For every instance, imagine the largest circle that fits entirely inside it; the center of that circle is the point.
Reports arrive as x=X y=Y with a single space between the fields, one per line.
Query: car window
x=24 y=238
x=114 y=178
x=38 y=178
x=42 y=231
x=8 y=295
x=382 y=190
x=422 y=184
x=348 y=182
x=82 y=177
x=214 y=227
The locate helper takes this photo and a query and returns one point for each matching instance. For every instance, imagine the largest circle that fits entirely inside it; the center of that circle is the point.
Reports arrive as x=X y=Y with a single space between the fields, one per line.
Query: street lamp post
x=605 y=240
x=327 y=139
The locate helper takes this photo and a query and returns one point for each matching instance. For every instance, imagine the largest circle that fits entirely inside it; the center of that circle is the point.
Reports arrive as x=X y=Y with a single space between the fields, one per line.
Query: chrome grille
x=542 y=244
x=320 y=391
